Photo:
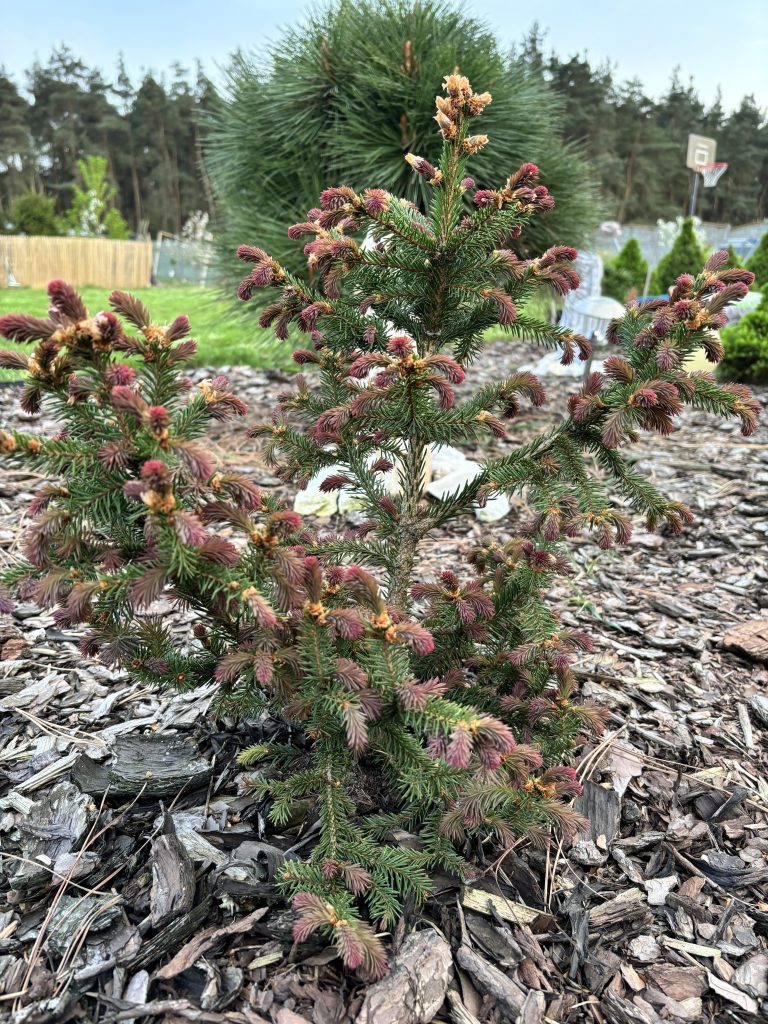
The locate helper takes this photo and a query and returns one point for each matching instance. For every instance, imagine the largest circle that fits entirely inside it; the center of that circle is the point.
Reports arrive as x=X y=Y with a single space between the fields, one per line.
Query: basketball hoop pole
x=694 y=194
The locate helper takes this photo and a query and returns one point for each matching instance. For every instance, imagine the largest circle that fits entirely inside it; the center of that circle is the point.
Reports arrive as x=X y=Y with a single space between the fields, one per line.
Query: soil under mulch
x=136 y=871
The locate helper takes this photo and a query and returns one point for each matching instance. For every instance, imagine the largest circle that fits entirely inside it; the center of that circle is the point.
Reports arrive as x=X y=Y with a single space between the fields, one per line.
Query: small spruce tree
x=758 y=263
x=733 y=259
x=625 y=274
x=452 y=701
x=685 y=257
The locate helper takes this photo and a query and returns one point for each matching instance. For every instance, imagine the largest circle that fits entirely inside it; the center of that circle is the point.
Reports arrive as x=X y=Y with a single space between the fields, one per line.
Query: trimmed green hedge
x=746 y=347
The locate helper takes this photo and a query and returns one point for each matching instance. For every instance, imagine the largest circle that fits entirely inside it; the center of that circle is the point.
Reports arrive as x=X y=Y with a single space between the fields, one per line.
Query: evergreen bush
x=733 y=259
x=625 y=274
x=448 y=704
x=758 y=264
x=745 y=347
x=685 y=257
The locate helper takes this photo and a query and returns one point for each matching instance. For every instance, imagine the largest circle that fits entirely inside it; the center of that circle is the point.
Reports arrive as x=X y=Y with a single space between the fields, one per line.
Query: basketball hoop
x=711 y=173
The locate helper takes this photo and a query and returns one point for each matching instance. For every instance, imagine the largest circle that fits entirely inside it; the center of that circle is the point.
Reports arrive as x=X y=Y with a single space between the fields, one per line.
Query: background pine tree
x=362 y=75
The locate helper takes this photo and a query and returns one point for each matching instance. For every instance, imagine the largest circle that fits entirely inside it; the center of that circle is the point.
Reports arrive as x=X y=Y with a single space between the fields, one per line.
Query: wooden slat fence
x=35 y=260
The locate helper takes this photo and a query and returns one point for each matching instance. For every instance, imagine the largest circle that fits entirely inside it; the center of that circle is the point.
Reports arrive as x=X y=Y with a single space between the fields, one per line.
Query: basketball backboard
x=701 y=150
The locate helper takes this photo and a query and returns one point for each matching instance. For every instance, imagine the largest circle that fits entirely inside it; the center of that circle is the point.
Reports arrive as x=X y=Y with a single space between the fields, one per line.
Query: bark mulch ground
x=136 y=871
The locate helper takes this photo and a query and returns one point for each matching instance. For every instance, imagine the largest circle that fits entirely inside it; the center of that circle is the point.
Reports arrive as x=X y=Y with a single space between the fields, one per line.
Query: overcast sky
x=715 y=42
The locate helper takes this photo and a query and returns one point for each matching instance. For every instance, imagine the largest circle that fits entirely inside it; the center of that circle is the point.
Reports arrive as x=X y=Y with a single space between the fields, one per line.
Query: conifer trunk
x=412 y=481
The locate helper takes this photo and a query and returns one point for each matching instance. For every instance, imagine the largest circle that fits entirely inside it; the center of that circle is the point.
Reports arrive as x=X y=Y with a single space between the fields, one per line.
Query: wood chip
x=678 y=983
x=749 y=638
x=266 y=959
x=752 y=976
x=489 y=903
x=733 y=994
x=692 y=948
x=626 y=906
x=415 y=986
x=601 y=807
x=621 y=1011
x=286 y=1016
x=491 y=981
x=173 y=880
x=136 y=991
x=459 y=1013
x=746 y=726
x=49 y=773
x=645 y=949
x=154 y=765
x=632 y=978
x=208 y=938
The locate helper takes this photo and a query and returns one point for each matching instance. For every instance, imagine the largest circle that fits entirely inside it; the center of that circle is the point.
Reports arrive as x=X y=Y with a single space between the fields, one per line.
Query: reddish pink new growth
x=485 y=198
x=526 y=174
x=401 y=346
x=375 y=201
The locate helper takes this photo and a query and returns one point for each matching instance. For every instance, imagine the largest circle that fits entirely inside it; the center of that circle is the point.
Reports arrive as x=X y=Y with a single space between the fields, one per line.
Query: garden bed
x=137 y=871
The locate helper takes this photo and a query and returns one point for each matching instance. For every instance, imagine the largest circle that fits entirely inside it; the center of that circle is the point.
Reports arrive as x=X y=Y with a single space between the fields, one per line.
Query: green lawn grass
x=223 y=337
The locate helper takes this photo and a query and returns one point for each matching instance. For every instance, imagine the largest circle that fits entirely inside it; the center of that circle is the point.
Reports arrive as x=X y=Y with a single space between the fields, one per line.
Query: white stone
x=495 y=508
x=454 y=481
x=549 y=365
x=659 y=888
x=314 y=502
x=447 y=459
x=448 y=469
x=349 y=505
x=645 y=948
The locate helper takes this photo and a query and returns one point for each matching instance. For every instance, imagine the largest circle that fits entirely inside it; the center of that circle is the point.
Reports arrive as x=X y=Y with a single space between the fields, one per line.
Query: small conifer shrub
x=733 y=260
x=450 y=701
x=685 y=257
x=624 y=276
x=758 y=263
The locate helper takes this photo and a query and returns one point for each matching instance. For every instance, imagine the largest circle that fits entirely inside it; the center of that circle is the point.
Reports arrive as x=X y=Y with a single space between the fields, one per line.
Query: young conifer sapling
x=451 y=702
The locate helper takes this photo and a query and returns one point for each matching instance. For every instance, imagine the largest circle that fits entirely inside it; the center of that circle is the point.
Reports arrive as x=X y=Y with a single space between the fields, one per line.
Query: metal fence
x=654 y=243
x=179 y=262
x=192 y=262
